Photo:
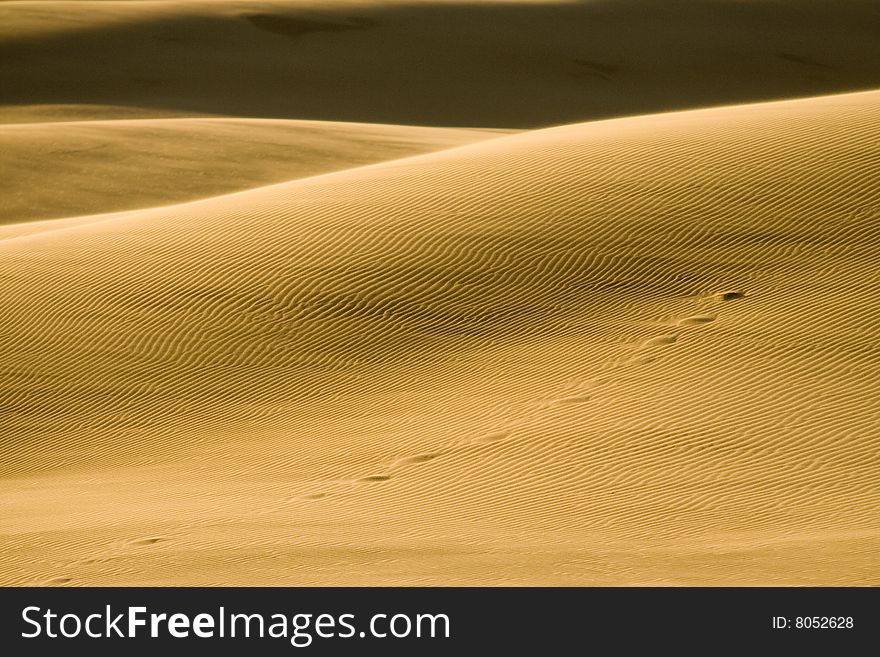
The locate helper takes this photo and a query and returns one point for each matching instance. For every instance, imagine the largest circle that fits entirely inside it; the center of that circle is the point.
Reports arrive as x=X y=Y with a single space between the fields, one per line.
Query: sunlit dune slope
x=640 y=351
x=53 y=170
x=427 y=62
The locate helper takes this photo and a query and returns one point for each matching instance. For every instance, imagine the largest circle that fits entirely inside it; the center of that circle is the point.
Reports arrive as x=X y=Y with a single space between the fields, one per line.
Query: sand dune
x=480 y=63
x=639 y=351
x=104 y=166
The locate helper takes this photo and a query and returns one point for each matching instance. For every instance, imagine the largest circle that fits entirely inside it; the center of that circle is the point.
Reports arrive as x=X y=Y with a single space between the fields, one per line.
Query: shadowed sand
x=639 y=351
x=513 y=64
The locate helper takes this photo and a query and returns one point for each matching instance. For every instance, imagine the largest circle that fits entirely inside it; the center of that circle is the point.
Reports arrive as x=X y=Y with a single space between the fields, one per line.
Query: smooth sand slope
x=640 y=351
x=468 y=63
x=53 y=170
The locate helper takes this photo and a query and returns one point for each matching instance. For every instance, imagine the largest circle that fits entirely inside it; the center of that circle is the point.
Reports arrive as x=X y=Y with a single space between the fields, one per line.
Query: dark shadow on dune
x=595 y=69
x=483 y=64
x=293 y=26
x=799 y=59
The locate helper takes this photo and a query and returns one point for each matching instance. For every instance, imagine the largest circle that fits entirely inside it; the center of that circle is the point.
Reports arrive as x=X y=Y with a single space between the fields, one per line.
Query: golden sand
x=639 y=351
x=104 y=166
x=546 y=358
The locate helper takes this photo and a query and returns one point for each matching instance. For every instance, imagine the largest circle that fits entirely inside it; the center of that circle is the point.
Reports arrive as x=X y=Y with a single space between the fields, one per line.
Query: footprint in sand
x=731 y=295
x=570 y=400
x=93 y=560
x=379 y=478
x=697 y=320
x=143 y=542
x=489 y=438
x=59 y=580
x=419 y=458
x=660 y=341
x=370 y=479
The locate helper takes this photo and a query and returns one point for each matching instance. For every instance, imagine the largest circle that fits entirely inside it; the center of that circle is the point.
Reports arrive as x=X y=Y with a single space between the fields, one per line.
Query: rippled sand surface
x=633 y=351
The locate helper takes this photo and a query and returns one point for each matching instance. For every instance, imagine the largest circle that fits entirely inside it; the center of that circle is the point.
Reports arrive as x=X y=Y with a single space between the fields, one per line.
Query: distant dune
x=513 y=64
x=104 y=166
x=638 y=351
